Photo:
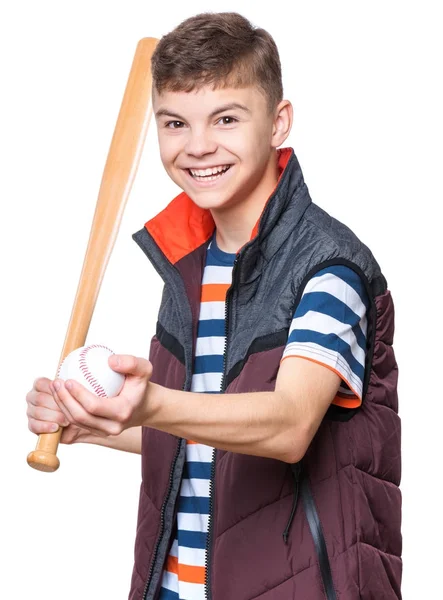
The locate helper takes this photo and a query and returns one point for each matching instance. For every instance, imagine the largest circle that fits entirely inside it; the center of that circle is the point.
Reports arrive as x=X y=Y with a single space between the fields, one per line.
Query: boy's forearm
x=256 y=423
x=130 y=440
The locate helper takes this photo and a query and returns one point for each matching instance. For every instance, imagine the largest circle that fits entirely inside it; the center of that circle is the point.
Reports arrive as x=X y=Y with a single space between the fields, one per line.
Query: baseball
x=89 y=366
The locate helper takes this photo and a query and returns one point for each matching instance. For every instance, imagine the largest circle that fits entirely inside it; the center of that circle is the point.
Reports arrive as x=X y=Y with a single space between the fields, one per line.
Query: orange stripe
x=172 y=564
x=214 y=292
x=347 y=403
x=353 y=403
x=185 y=572
x=191 y=574
x=191 y=442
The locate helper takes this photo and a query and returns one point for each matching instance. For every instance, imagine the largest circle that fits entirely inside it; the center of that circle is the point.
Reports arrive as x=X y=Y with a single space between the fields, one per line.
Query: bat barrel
x=118 y=175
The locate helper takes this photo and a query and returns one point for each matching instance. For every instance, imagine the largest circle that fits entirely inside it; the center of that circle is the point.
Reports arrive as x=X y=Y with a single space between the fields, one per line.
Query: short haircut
x=218 y=49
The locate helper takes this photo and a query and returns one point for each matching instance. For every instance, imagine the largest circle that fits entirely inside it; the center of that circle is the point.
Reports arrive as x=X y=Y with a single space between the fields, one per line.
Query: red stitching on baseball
x=98 y=389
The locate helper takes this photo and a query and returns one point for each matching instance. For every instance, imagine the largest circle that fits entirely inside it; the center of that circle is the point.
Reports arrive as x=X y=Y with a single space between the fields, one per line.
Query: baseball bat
x=118 y=175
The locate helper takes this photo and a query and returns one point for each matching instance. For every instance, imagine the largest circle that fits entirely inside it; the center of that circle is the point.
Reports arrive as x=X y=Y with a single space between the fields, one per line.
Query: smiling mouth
x=210 y=174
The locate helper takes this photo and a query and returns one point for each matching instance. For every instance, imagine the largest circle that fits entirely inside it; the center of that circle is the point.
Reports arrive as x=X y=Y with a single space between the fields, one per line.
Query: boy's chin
x=207 y=199
x=206 y=202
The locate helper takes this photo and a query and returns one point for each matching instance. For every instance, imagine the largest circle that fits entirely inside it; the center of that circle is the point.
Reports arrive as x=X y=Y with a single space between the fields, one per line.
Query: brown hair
x=221 y=49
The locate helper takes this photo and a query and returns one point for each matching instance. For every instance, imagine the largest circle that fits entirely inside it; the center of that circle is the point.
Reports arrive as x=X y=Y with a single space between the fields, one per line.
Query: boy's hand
x=44 y=416
x=107 y=416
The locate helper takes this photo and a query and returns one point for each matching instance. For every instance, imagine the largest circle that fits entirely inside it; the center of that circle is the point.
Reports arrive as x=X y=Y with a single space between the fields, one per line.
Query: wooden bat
x=118 y=175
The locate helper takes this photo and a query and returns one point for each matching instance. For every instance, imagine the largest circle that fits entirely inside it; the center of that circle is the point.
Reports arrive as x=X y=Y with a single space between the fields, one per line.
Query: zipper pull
x=296 y=471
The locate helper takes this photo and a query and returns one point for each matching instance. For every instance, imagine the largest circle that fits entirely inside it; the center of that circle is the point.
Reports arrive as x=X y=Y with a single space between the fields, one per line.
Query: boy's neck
x=234 y=225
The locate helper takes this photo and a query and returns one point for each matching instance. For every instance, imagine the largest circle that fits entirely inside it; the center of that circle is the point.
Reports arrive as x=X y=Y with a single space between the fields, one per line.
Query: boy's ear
x=283 y=117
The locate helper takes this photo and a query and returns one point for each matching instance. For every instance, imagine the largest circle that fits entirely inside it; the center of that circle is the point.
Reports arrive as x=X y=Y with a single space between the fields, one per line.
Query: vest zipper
x=208 y=594
x=318 y=538
x=162 y=519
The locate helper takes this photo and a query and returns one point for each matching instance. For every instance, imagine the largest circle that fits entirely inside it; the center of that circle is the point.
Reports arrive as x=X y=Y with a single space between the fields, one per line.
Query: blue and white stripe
x=330 y=325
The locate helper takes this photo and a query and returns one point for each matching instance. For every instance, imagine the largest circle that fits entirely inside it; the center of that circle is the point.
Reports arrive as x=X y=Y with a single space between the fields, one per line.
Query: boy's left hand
x=108 y=416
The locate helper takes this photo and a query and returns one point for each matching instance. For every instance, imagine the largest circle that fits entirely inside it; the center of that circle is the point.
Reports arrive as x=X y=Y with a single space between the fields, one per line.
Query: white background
x=365 y=81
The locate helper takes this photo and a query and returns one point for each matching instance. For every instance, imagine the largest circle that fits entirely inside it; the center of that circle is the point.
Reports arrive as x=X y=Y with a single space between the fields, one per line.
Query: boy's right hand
x=44 y=416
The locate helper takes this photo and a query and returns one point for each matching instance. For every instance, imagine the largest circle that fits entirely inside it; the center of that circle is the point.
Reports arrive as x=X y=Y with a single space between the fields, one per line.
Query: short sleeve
x=329 y=327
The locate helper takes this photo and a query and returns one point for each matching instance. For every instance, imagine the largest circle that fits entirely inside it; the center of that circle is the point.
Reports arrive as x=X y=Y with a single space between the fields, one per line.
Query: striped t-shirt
x=328 y=327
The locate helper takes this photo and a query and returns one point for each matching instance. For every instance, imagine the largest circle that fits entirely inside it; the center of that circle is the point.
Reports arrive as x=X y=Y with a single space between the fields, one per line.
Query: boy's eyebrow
x=165 y=112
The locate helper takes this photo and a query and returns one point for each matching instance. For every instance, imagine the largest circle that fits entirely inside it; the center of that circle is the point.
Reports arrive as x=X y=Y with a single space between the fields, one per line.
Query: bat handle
x=44 y=457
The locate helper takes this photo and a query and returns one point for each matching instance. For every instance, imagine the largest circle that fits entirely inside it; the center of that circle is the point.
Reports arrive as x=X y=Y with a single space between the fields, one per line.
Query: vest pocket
x=319 y=540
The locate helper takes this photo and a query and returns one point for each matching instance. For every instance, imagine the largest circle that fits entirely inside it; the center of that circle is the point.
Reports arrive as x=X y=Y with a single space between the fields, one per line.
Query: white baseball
x=89 y=366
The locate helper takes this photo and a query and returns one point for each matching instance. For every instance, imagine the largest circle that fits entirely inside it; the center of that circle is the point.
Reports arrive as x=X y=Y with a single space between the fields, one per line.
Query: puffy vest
x=329 y=526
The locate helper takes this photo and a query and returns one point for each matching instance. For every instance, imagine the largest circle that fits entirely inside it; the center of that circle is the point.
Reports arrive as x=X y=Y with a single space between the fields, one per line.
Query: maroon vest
x=329 y=526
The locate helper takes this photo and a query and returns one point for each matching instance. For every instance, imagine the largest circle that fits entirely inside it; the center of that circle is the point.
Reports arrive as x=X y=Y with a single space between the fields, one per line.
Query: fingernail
x=54 y=427
x=68 y=385
x=56 y=385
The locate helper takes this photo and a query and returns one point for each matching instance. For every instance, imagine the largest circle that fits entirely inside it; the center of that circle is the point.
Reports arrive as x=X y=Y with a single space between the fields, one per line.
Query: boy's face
x=217 y=145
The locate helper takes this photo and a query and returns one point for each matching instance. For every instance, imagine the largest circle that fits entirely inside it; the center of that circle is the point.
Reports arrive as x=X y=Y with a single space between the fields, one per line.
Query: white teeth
x=207 y=172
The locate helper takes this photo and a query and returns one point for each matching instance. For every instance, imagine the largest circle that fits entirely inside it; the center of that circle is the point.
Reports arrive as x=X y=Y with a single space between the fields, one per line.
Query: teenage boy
x=267 y=412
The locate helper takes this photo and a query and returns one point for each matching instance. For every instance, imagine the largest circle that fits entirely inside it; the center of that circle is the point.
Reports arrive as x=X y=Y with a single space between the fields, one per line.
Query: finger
x=72 y=389
x=40 y=413
x=42 y=399
x=115 y=409
x=60 y=404
x=130 y=365
x=80 y=414
x=39 y=427
x=41 y=384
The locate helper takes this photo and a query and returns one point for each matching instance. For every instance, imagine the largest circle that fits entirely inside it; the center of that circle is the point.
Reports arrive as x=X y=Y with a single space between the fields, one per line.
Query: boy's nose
x=199 y=144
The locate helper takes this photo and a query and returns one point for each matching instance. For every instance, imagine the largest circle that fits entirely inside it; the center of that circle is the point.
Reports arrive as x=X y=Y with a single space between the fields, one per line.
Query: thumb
x=130 y=365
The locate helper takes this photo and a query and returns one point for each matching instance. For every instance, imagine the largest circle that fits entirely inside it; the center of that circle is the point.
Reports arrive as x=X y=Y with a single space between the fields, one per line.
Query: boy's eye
x=174 y=124
x=227 y=120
